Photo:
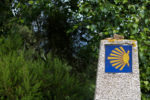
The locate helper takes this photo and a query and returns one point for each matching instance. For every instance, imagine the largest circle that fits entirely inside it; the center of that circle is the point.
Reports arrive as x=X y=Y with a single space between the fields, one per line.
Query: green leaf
x=75 y=27
x=18 y=5
x=106 y=33
x=22 y=21
x=117 y=1
x=146 y=21
x=125 y=1
x=146 y=82
x=135 y=25
x=31 y=2
x=87 y=26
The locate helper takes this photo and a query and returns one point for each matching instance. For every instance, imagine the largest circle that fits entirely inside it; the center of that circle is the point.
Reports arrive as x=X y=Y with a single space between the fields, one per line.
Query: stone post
x=118 y=71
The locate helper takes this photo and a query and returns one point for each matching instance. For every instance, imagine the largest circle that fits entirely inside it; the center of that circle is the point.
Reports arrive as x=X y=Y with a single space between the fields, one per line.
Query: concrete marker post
x=114 y=82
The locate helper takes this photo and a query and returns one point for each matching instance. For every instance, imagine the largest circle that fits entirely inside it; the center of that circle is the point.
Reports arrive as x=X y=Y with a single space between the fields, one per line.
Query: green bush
x=24 y=78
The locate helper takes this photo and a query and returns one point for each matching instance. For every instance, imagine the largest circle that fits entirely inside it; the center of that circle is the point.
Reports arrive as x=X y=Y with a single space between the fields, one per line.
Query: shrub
x=24 y=78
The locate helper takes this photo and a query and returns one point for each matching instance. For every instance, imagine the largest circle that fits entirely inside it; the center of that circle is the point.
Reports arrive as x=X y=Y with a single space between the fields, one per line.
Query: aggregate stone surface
x=118 y=86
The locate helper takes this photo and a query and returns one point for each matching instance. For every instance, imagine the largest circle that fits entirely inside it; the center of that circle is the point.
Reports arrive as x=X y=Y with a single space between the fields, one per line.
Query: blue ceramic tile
x=118 y=58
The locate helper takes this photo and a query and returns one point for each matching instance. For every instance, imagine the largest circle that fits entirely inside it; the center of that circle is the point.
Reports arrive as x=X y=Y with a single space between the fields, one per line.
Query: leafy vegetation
x=22 y=77
x=49 y=48
x=129 y=18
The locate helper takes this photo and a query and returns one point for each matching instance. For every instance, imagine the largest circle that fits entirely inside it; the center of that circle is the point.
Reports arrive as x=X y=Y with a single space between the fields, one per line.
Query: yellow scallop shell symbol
x=119 y=58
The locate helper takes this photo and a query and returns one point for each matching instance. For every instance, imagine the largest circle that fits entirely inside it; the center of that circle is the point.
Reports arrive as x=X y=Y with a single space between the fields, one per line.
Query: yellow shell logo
x=119 y=58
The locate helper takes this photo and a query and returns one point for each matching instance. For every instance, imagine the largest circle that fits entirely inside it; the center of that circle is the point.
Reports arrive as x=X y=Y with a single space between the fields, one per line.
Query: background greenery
x=49 y=48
